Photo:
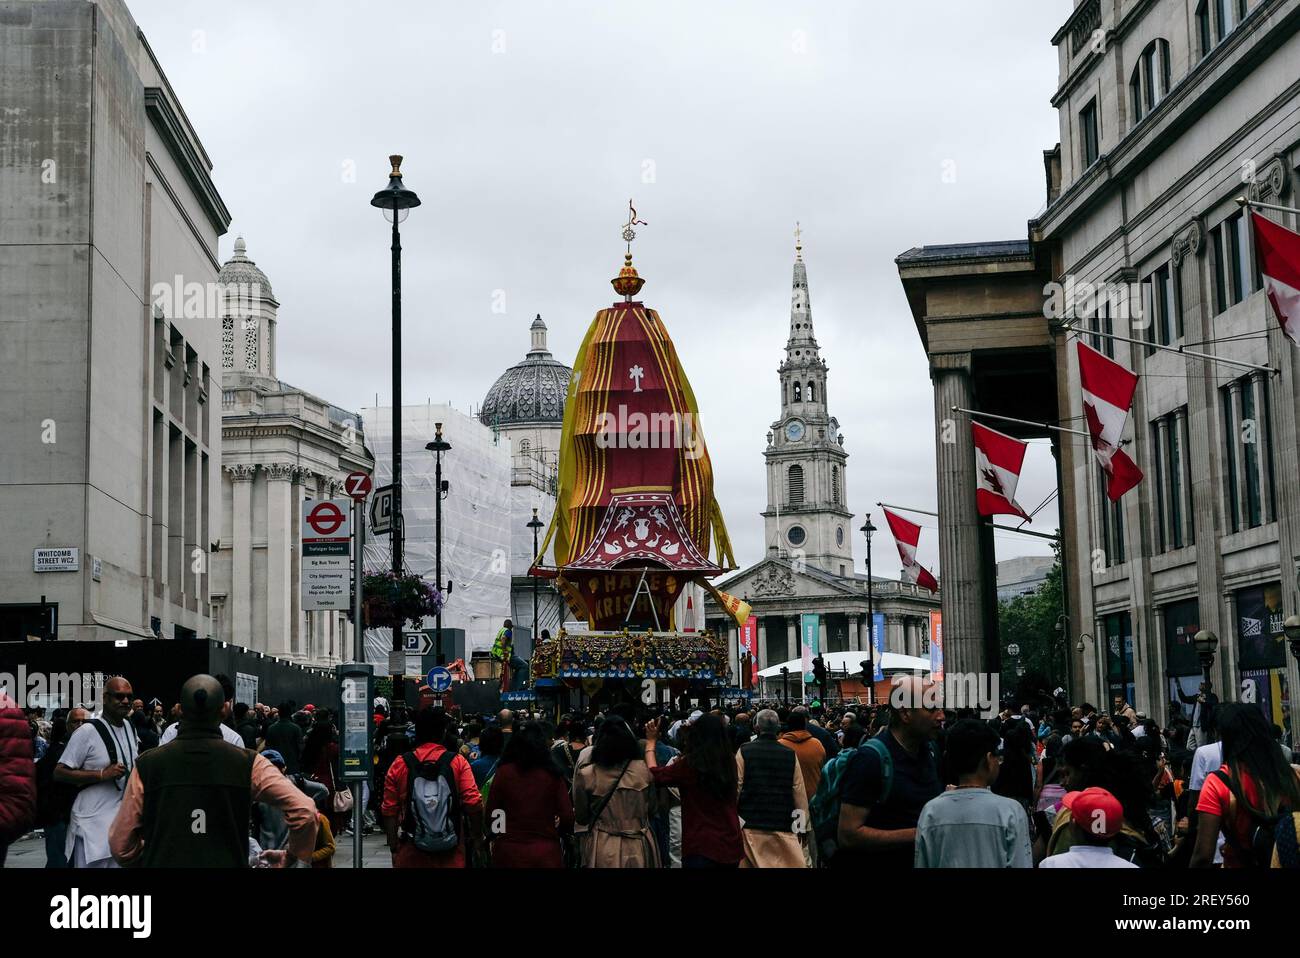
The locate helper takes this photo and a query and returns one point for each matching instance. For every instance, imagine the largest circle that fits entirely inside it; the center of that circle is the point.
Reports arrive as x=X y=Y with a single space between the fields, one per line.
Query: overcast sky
x=527 y=125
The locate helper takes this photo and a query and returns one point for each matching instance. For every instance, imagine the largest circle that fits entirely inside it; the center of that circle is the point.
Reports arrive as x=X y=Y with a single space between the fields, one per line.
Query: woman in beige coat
x=614 y=798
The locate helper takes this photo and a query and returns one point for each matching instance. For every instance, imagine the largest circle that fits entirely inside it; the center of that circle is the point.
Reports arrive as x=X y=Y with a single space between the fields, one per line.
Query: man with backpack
x=887 y=781
x=431 y=807
x=98 y=759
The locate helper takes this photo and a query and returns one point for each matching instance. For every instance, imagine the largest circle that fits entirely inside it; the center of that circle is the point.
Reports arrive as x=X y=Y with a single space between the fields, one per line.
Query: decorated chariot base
x=693 y=656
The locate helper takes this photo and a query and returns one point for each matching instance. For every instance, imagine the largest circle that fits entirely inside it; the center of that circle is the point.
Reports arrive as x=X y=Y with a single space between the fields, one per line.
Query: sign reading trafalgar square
x=326 y=530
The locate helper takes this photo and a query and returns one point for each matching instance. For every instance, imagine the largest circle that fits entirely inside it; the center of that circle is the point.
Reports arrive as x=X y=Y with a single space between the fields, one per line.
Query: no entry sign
x=326 y=532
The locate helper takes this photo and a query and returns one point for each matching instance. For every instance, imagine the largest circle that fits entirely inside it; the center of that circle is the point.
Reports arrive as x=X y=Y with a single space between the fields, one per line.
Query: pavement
x=29 y=852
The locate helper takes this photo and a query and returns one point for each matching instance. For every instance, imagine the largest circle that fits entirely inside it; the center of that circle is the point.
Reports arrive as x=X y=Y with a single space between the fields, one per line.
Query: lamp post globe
x=396 y=200
x=1292 y=629
x=1206 y=643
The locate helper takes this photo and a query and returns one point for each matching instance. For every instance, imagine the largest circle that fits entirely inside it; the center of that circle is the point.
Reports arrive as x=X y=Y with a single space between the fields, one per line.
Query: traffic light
x=819 y=670
x=866 y=671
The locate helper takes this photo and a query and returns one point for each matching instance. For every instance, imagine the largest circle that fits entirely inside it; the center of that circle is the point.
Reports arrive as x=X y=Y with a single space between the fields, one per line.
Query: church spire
x=802 y=345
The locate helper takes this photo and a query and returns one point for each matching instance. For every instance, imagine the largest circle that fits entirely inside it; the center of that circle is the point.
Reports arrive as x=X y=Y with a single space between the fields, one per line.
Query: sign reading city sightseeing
x=326 y=530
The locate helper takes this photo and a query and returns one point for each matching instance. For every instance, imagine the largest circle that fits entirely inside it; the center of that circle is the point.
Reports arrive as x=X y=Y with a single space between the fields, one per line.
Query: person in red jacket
x=17 y=775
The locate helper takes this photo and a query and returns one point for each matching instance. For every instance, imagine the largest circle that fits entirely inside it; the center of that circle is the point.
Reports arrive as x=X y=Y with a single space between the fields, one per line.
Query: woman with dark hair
x=528 y=809
x=706 y=775
x=1016 y=779
x=614 y=799
x=1244 y=798
x=320 y=757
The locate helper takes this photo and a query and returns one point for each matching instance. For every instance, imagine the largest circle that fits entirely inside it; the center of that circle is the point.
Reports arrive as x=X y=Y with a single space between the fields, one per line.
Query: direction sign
x=417 y=643
x=358 y=485
x=326 y=533
x=439 y=679
x=381 y=511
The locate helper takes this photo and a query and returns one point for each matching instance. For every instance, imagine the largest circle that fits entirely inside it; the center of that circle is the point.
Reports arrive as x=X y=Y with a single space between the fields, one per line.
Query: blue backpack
x=825 y=805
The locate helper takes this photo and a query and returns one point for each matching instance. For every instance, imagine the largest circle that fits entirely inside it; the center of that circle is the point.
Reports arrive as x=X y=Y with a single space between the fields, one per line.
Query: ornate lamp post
x=867 y=530
x=1206 y=643
x=397 y=201
x=438 y=447
x=537 y=526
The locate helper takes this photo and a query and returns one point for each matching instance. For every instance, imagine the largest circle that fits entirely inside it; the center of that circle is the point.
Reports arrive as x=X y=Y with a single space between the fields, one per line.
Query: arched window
x=524 y=447
x=795 y=492
x=798 y=393
x=1150 y=82
x=812 y=393
x=835 y=484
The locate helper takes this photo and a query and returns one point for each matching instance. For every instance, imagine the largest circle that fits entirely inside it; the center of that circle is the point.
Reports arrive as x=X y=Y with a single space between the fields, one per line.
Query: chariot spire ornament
x=627 y=284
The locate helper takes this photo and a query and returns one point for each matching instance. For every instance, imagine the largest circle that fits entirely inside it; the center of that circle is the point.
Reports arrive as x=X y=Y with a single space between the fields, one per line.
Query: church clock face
x=795 y=430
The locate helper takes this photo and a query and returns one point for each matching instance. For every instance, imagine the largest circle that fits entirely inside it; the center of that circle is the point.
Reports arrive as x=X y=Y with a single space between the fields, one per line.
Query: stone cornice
x=171 y=129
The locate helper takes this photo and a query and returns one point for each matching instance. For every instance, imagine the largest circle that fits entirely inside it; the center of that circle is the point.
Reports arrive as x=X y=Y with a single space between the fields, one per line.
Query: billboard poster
x=808 y=629
x=936 y=646
x=749 y=642
x=1261 y=652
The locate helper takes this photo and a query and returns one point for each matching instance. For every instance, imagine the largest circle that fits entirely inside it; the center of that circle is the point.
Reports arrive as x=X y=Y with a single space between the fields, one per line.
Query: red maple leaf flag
x=1107 y=397
x=998 y=459
x=907 y=535
x=1278 y=251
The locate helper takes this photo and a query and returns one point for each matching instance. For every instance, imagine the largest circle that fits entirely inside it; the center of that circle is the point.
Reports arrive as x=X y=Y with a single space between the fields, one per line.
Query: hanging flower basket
x=392 y=600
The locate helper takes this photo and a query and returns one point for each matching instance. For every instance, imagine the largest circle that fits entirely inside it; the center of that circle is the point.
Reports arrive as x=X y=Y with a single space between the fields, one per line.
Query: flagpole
x=1023 y=422
x=1246 y=201
x=923 y=512
x=927 y=512
x=1172 y=349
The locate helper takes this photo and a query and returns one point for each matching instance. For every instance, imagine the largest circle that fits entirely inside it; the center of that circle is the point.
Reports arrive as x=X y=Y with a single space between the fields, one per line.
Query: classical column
x=762 y=642
x=894 y=628
x=1160 y=707
x=241 y=555
x=822 y=635
x=855 y=632
x=959 y=520
x=792 y=638
x=1161 y=456
x=281 y=536
x=733 y=638
x=1225 y=671
x=1238 y=454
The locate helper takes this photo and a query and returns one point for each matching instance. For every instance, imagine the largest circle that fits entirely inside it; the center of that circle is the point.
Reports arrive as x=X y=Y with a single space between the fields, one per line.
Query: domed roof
x=239 y=269
x=530 y=392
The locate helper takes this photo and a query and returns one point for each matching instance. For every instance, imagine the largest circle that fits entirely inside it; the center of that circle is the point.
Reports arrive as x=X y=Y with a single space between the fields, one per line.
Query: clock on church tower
x=807 y=513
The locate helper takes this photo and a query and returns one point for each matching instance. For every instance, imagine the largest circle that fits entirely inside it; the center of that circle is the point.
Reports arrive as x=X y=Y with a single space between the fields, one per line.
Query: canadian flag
x=907 y=535
x=998 y=459
x=1278 y=252
x=1107 y=397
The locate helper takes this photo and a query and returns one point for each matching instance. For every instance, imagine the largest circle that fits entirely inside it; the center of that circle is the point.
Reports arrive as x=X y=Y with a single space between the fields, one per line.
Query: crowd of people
x=902 y=784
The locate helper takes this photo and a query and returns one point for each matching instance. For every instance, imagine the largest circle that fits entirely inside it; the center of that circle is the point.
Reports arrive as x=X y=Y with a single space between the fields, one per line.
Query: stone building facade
x=1169 y=111
x=108 y=252
x=279 y=446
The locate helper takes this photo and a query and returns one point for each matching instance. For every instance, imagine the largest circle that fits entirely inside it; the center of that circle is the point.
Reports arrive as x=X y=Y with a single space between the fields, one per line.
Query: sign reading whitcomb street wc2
x=326 y=530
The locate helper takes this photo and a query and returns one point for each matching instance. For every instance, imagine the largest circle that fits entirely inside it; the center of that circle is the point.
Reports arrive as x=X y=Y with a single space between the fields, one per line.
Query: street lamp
x=1206 y=642
x=1292 y=629
x=397 y=201
x=438 y=447
x=785 y=685
x=867 y=530
x=537 y=526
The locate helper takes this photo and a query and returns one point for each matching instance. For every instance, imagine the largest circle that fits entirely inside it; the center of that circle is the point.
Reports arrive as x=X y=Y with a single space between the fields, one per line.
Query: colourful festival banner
x=936 y=647
x=809 y=624
x=878 y=643
x=749 y=642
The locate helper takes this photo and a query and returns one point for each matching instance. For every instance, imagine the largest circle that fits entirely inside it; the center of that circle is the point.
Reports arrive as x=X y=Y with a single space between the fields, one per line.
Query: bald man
x=97 y=760
x=187 y=803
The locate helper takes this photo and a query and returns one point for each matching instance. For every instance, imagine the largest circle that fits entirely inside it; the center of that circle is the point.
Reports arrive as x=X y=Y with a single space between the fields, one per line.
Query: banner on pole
x=749 y=642
x=936 y=647
x=878 y=643
x=808 y=629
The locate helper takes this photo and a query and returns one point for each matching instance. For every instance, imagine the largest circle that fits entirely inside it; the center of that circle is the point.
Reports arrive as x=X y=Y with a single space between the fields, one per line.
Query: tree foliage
x=1029 y=623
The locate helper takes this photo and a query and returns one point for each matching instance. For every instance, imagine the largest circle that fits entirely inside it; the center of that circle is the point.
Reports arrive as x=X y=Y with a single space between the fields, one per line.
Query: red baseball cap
x=309 y=707
x=1095 y=810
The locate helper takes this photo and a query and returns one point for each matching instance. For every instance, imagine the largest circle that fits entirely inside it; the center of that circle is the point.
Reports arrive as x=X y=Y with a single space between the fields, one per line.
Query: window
x=796 y=535
x=835 y=489
x=1150 y=82
x=798 y=393
x=1173 y=513
x=1088 y=134
x=1248 y=452
x=1101 y=322
x=795 y=489
x=1204 y=29
x=228 y=343
x=1233 y=273
x=1111 y=520
x=1119 y=656
x=812 y=393
x=250 y=344
x=1160 y=314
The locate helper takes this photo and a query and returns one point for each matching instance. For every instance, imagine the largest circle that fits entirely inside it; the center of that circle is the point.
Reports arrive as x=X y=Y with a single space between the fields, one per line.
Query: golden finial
x=628 y=283
x=396 y=160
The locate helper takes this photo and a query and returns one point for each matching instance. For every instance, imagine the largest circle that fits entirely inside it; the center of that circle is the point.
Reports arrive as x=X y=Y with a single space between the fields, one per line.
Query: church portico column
x=855 y=632
x=960 y=534
x=241 y=554
x=280 y=538
x=792 y=637
x=762 y=642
